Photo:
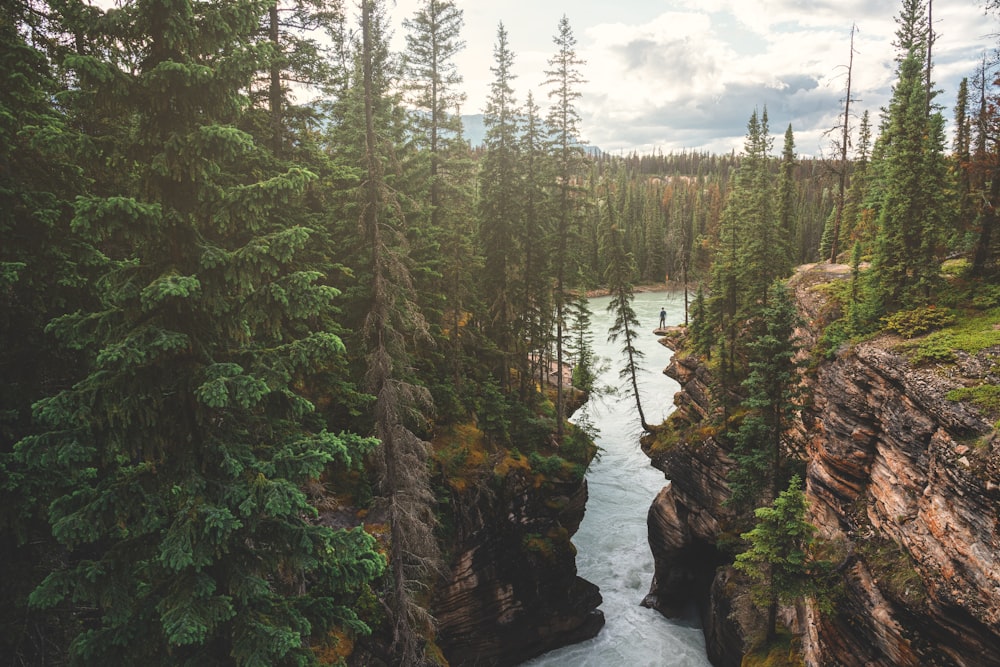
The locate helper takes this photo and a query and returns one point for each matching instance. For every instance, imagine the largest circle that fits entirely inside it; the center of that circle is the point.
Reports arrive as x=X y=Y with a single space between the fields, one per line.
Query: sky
x=672 y=75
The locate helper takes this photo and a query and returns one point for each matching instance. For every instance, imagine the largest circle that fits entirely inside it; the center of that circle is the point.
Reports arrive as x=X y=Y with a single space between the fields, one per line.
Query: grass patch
x=986 y=397
x=971 y=335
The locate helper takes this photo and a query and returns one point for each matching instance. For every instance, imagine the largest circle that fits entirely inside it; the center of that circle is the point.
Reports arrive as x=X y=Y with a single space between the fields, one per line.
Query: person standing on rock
x=663 y=317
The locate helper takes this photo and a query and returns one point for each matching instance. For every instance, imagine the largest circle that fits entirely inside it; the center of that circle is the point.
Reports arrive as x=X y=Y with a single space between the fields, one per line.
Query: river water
x=612 y=549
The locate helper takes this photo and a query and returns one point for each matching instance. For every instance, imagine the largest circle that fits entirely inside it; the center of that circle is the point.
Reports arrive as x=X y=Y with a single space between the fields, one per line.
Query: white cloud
x=688 y=73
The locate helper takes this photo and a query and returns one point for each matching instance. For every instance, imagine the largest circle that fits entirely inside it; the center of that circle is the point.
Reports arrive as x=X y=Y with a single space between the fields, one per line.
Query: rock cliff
x=906 y=481
x=513 y=591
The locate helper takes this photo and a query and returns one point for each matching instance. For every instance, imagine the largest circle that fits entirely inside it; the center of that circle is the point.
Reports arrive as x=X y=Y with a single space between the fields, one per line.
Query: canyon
x=902 y=481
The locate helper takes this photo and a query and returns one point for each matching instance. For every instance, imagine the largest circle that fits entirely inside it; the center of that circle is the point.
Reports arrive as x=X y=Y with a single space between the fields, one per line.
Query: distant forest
x=223 y=309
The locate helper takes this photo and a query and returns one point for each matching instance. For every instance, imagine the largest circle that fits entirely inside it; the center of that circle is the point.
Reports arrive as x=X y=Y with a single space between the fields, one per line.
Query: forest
x=227 y=307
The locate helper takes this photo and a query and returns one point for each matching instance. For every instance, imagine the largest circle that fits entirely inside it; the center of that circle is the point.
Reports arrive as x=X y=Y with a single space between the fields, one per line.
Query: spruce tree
x=44 y=273
x=535 y=242
x=783 y=558
x=441 y=186
x=564 y=78
x=393 y=318
x=911 y=219
x=499 y=206
x=787 y=223
x=771 y=393
x=176 y=465
x=618 y=276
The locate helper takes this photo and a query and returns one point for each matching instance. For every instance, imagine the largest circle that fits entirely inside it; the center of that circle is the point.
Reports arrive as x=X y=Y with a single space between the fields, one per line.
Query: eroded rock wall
x=513 y=591
x=903 y=479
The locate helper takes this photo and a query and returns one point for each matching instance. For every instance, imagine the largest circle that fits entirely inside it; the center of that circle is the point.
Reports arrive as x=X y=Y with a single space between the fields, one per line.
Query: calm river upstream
x=611 y=543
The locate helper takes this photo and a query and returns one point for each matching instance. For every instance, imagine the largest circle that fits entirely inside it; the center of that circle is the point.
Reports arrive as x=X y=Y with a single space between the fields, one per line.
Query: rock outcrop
x=904 y=480
x=513 y=591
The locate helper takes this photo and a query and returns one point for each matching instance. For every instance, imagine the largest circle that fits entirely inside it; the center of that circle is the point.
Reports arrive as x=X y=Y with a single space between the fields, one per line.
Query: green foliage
x=783 y=558
x=984 y=396
x=971 y=334
x=771 y=394
x=916 y=322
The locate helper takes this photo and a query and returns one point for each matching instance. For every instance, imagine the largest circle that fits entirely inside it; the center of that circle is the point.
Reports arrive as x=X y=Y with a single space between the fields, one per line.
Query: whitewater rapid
x=612 y=549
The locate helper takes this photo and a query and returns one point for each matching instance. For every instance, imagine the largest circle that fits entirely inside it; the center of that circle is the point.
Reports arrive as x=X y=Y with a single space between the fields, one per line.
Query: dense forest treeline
x=225 y=307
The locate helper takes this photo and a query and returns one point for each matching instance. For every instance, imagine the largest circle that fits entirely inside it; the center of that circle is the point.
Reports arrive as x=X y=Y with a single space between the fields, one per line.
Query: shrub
x=916 y=322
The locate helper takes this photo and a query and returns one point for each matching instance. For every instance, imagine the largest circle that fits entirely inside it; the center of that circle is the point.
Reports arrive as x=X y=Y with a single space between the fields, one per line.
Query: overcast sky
x=674 y=74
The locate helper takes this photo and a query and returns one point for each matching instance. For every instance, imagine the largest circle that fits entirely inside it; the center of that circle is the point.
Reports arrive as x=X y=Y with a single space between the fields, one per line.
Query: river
x=612 y=549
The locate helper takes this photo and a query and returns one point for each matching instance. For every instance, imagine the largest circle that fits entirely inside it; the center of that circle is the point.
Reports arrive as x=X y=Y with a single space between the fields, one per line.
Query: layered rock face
x=910 y=480
x=513 y=592
x=906 y=481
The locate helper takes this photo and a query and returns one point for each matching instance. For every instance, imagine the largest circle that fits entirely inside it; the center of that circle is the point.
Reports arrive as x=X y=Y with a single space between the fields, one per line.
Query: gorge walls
x=513 y=592
x=904 y=481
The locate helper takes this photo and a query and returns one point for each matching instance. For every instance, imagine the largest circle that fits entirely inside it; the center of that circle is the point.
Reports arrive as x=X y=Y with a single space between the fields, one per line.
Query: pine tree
x=782 y=559
x=564 y=79
x=618 y=276
x=499 y=205
x=772 y=390
x=175 y=466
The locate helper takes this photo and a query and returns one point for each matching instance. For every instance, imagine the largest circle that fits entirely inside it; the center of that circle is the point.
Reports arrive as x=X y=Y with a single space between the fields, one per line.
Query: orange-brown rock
x=904 y=479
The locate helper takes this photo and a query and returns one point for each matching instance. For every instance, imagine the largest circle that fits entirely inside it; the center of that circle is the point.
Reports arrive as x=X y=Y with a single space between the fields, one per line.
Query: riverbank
x=670 y=286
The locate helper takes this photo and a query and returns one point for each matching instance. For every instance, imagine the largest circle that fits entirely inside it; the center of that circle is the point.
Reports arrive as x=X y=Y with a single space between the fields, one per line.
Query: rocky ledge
x=513 y=591
x=904 y=480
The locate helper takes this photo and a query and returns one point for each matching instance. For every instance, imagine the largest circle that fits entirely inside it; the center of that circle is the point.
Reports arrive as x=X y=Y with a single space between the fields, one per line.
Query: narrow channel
x=612 y=549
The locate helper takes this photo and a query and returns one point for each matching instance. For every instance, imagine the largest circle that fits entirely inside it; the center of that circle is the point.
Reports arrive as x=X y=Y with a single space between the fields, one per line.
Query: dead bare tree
x=844 y=146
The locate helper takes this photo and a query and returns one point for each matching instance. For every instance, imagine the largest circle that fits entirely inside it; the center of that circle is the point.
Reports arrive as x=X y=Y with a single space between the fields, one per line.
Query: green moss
x=784 y=651
x=984 y=396
x=894 y=570
x=970 y=334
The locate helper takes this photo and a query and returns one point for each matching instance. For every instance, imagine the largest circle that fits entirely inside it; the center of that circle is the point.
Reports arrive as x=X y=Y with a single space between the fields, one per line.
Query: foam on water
x=613 y=551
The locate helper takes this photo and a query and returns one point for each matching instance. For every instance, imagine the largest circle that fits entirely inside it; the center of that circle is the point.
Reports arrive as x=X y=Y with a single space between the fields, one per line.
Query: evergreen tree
x=294 y=57
x=535 y=242
x=392 y=318
x=750 y=255
x=43 y=274
x=443 y=187
x=913 y=204
x=783 y=556
x=772 y=390
x=175 y=466
x=961 y=167
x=564 y=78
x=618 y=278
x=499 y=205
x=858 y=224
x=986 y=175
x=788 y=228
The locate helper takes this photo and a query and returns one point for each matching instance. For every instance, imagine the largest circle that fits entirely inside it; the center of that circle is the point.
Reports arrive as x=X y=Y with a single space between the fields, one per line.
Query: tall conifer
x=177 y=462
x=499 y=205
x=393 y=317
x=564 y=79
